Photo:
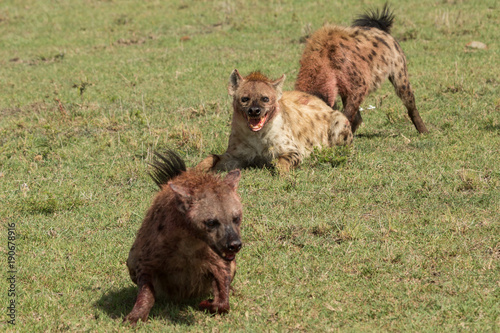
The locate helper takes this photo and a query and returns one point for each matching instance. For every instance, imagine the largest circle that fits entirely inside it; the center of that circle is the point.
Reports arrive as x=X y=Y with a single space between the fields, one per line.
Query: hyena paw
x=134 y=316
x=131 y=319
x=283 y=166
x=213 y=307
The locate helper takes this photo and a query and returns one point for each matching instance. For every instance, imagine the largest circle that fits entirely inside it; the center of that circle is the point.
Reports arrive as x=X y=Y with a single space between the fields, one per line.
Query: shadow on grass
x=371 y=135
x=490 y=127
x=118 y=303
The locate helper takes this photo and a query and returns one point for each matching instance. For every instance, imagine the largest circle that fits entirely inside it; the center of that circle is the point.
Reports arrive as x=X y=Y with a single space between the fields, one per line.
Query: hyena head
x=255 y=97
x=213 y=212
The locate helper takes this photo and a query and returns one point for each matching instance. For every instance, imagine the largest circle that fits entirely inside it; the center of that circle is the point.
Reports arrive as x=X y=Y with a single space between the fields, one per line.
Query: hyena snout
x=254 y=111
x=234 y=245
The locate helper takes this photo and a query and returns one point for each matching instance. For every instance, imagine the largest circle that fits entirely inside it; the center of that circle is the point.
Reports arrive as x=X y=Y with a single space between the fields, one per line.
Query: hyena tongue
x=256 y=124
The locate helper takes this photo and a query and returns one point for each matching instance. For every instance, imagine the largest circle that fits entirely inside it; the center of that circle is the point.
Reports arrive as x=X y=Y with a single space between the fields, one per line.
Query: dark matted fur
x=188 y=241
x=354 y=61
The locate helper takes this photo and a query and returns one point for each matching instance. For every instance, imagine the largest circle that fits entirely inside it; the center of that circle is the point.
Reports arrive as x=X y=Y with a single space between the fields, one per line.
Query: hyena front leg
x=220 y=286
x=399 y=80
x=228 y=162
x=144 y=302
x=351 y=107
x=357 y=121
x=224 y=162
x=288 y=161
x=208 y=163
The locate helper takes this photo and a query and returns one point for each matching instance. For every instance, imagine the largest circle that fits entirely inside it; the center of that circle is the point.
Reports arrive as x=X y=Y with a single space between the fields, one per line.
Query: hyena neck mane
x=257 y=76
x=166 y=167
x=169 y=171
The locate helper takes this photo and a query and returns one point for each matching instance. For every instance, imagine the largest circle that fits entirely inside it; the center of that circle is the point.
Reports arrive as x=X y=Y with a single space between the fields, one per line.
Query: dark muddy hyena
x=354 y=61
x=188 y=241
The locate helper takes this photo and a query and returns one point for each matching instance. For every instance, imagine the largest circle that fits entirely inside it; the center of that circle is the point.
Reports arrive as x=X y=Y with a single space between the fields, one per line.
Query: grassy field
x=399 y=233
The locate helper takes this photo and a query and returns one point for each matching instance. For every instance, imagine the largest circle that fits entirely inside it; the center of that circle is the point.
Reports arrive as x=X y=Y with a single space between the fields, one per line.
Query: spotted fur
x=270 y=126
x=354 y=61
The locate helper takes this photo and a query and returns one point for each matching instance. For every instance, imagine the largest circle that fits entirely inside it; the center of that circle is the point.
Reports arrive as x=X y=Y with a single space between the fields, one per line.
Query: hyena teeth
x=256 y=124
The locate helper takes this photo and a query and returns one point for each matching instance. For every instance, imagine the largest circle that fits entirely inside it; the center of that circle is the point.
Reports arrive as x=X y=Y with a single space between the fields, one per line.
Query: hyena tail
x=166 y=166
x=376 y=19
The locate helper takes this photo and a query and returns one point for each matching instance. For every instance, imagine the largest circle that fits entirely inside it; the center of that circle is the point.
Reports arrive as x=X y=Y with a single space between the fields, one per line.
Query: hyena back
x=188 y=241
x=274 y=127
x=354 y=61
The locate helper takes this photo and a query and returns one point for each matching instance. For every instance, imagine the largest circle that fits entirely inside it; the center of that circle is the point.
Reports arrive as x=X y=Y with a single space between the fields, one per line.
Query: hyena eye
x=237 y=220
x=245 y=99
x=212 y=223
x=265 y=99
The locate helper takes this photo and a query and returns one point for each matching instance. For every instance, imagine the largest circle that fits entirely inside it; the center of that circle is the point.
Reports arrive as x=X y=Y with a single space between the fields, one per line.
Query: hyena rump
x=188 y=241
x=354 y=61
x=270 y=126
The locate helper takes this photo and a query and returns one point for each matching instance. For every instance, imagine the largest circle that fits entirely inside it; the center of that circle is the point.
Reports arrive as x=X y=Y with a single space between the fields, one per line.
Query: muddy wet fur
x=354 y=61
x=187 y=244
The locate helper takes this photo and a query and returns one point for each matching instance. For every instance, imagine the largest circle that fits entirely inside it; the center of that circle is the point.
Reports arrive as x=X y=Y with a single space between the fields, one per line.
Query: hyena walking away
x=270 y=126
x=188 y=241
x=354 y=61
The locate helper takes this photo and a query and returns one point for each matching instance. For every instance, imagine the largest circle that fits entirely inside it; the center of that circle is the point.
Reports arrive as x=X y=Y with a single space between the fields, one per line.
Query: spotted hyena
x=354 y=61
x=187 y=244
x=274 y=127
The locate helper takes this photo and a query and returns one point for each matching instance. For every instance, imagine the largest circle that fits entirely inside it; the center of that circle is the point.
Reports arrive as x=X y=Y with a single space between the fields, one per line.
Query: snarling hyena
x=188 y=241
x=270 y=126
x=354 y=61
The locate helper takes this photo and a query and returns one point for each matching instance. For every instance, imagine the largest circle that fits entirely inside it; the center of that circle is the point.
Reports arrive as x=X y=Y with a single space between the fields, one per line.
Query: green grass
x=399 y=233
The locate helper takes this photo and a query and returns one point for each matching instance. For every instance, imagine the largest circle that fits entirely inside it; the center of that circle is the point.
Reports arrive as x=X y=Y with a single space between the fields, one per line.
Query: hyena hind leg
x=404 y=91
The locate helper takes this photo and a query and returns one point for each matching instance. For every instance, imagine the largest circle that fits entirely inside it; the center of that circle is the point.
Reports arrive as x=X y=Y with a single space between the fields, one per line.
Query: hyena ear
x=233 y=178
x=278 y=85
x=183 y=196
x=234 y=81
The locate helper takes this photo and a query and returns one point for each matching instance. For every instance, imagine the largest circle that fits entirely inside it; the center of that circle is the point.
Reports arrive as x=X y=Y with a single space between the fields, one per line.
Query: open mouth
x=229 y=256
x=256 y=124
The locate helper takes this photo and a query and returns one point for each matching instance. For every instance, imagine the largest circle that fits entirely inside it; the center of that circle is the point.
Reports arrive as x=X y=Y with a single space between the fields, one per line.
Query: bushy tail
x=166 y=166
x=374 y=19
